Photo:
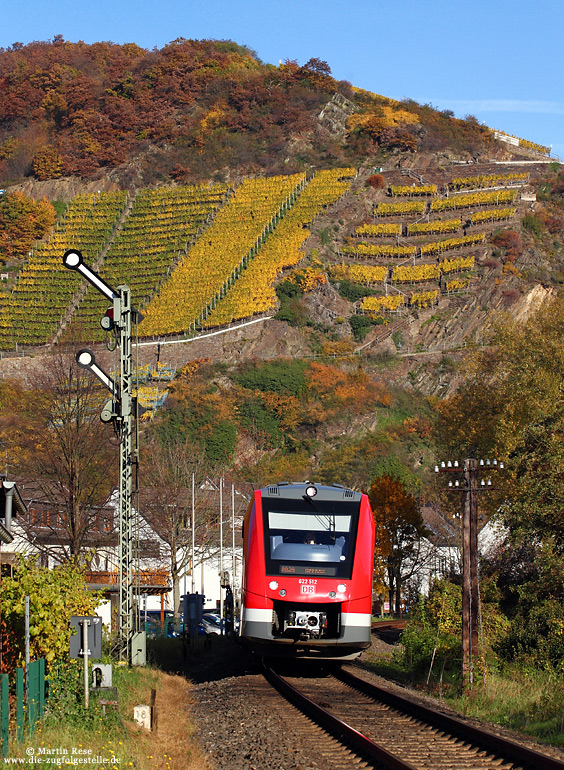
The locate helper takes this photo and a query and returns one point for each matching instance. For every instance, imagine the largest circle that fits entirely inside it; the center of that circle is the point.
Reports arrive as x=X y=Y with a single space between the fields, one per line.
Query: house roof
x=442 y=529
x=5 y=536
x=18 y=504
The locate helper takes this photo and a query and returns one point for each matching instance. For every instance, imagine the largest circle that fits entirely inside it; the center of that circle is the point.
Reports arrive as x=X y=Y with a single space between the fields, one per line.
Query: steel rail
x=335 y=726
x=503 y=747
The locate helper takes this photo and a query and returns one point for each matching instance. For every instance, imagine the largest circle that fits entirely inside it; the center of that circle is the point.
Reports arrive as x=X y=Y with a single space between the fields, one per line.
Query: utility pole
x=469 y=486
x=470 y=593
x=118 y=410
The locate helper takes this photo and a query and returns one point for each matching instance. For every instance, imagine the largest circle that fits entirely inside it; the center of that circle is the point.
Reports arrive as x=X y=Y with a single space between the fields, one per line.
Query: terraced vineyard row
x=367 y=254
x=33 y=311
x=161 y=223
x=253 y=292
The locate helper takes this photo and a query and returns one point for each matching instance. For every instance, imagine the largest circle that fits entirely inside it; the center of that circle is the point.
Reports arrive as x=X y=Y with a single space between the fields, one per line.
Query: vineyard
x=160 y=225
x=203 y=256
x=404 y=250
x=253 y=292
x=33 y=312
x=233 y=238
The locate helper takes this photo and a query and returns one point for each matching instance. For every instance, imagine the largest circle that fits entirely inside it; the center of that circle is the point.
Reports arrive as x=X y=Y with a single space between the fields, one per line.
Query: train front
x=308 y=562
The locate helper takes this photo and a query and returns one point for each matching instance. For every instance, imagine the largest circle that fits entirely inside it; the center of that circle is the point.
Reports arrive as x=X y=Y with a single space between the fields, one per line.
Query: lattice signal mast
x=118 y=410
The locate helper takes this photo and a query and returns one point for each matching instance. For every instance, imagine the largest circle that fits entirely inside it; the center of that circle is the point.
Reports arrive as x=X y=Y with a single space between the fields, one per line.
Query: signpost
x=86 y=643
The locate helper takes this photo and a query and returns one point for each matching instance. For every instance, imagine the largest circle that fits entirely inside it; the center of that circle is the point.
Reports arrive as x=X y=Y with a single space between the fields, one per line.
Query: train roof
x=288 y=491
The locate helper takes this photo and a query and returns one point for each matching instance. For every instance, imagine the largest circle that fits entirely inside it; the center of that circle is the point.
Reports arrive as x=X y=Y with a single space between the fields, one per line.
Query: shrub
x=353 y=291
x=360 y=324
x=376 y=181
x=55 y=595
x=220 y=445
x=532 y=223
x=510 y=242
x=536 y=637
x=279 y=376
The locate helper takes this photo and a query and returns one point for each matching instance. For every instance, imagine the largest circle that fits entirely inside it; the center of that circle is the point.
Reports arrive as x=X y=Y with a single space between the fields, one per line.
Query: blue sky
x=500 y=60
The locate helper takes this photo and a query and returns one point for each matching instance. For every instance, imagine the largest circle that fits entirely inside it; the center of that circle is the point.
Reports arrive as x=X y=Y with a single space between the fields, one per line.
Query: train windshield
x=312 y=542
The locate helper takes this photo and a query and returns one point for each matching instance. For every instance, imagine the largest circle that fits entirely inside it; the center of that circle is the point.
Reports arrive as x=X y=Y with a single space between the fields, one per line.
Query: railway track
x=395 y=733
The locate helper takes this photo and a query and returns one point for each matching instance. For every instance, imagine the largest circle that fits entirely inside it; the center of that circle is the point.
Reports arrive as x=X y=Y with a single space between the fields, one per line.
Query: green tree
x=55 y=595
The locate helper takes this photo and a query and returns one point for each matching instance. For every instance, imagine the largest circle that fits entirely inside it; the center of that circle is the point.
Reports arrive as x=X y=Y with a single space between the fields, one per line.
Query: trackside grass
x=70 y=735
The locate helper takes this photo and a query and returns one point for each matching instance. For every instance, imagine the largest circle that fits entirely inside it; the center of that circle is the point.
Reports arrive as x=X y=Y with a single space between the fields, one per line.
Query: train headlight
x=311 y=491
x=282 y=592
x=341 y=588
x=273 y=585
x=332 y=594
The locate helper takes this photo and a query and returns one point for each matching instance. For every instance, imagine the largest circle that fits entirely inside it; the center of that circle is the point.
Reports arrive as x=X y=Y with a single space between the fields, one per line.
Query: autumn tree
x=508 y=385
x=399 y=532
x=55 y=442
x=22 y=222
x=47 y=163
x=510 y=405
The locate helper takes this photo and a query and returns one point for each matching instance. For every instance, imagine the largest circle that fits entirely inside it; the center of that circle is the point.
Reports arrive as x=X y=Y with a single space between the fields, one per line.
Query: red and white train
x=308 y=556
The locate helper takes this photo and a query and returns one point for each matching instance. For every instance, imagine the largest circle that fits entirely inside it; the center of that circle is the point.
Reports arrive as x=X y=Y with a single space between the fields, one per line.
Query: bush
x=376 y=181
x=55 y=595
x=220 y=445
x=533 y=224
x=360 y=324
x=536 y=637
x=354 y=291
x=280 y=376
x=291 y=309
x=257 y=420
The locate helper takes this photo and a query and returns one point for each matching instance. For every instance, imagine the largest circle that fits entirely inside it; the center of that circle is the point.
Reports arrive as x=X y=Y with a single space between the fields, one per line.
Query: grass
x=530 y=702
x=70 y=731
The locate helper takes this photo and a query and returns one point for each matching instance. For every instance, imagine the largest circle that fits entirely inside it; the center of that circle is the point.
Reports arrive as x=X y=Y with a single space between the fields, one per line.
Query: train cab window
x=309 y=542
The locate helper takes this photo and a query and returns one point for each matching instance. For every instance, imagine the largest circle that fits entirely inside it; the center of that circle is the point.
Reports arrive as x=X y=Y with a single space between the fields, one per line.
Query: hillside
x=198 y=110
x=389 y=227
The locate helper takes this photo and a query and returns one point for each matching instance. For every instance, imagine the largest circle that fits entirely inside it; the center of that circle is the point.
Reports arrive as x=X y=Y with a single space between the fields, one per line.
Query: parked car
x=212 y=623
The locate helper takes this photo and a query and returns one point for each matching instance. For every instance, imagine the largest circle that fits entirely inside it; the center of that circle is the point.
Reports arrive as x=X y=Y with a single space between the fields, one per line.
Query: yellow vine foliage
x=458 y=263
x=217 y=253
x=435 y=226
x=379 y=250
x=401 y=207
x=413 y=273
x=307 y=278
x=390 y=302
x=474 y=199
x=426 y=189
x=383 y=229
x=364 y=274
x=423 y=299
x=253 y=292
